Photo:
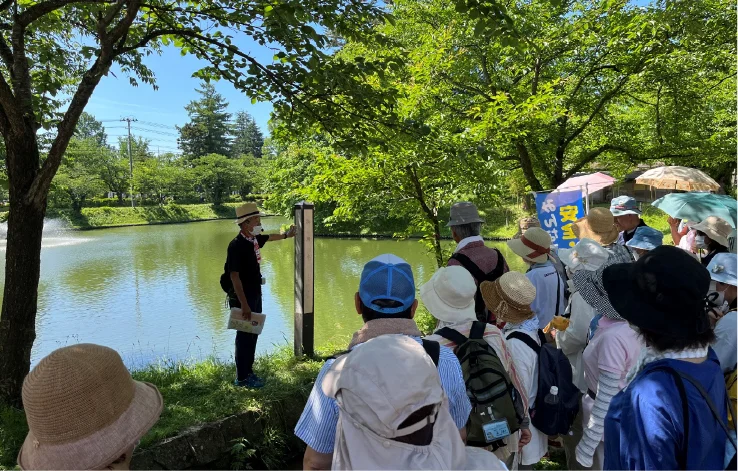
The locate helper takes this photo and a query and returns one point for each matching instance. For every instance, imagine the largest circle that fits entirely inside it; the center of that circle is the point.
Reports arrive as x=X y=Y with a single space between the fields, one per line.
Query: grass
x=196 y=393
x=89 y=218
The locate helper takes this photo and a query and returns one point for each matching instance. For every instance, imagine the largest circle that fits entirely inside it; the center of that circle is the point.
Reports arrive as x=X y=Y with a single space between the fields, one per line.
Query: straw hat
x=716 y=229
x=84 y=410
x=534 y=245
x=509 y=297
x=598 y=225
x=449 y=295
x=247 y=210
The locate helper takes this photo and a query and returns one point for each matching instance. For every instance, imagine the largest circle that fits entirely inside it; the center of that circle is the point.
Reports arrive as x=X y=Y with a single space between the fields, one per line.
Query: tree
x=140 y=150
x=247 y=137
x=77 y=177
x=159 y=179
x=208 y=129
x=90 y=128
x=57 y=50
x=217 y=175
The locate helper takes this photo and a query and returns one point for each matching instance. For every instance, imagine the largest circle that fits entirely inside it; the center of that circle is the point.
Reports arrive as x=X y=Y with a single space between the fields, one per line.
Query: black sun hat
x=664 y=291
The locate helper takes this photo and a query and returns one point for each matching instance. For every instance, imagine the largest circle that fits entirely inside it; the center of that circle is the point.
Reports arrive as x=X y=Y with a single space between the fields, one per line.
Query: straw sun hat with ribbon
x=84 y=410
x=534 y=245
x=247 y=210
x=509 y=297
x=598 y=225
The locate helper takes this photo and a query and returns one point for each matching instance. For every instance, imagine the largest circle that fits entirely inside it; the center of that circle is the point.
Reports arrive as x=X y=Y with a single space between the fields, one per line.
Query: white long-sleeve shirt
x=573 y=340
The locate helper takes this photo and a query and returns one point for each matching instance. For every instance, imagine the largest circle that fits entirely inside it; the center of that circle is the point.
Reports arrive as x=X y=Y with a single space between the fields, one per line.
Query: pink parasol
x=588 y=183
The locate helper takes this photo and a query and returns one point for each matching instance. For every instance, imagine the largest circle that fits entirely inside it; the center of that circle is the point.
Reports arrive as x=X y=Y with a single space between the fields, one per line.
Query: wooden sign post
x=304 y=279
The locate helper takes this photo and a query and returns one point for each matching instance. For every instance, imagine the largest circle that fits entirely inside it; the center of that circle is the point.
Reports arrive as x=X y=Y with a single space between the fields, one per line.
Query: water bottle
x=552 y=398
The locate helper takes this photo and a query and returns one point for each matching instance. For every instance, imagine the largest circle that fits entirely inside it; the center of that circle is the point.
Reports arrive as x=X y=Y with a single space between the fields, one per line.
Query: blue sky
x=158 y=111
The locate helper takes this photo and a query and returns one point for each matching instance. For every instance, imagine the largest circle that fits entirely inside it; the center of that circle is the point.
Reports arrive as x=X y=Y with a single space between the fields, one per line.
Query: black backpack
x=480 y=276
x=225 y=281
x=554 y=369
x=487 y=384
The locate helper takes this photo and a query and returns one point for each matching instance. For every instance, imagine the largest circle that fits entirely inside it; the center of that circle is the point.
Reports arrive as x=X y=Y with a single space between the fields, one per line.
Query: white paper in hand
x=253 y=326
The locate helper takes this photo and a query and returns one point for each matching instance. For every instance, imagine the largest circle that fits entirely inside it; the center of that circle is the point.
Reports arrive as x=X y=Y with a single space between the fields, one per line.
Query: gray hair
x=467 y=230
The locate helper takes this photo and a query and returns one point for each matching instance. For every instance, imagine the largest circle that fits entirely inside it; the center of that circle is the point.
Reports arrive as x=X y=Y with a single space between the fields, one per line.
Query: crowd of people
x=620 y=349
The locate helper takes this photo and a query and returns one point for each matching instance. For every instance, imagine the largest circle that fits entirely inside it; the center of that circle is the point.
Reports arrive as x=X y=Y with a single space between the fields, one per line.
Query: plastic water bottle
x=552 y=397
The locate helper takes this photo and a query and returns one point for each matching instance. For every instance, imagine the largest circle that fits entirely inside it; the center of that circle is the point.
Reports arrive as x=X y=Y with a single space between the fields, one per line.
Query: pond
x=153 y=292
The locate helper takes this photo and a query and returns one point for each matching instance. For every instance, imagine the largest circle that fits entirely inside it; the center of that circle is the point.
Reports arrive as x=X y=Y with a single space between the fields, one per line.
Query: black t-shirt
x=242 y=259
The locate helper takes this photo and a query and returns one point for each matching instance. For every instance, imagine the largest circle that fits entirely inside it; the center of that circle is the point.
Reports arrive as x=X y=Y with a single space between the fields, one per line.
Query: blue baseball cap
x=623 y=205
x=722 y=268
x=646 y=238
x=387 y=278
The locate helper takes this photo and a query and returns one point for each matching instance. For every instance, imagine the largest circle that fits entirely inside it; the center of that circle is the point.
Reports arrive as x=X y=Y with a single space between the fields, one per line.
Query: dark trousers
x=245 y=342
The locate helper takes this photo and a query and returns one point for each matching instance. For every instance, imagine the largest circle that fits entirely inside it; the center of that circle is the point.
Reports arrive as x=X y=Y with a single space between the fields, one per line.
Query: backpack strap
x=711 y=405
x=453 y=335
x=526 y=340
x=499 y=269
x=433 y=349
x=477 y=330
x=470 y=266
x=558 y=289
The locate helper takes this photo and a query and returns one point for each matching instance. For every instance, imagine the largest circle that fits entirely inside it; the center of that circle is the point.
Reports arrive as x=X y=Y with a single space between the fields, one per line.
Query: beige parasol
x=678 y=178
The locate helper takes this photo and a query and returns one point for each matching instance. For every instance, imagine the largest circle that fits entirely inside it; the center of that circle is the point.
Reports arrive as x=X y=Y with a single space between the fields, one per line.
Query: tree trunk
x=437 y=242
x=119 y=194
x=22 y=268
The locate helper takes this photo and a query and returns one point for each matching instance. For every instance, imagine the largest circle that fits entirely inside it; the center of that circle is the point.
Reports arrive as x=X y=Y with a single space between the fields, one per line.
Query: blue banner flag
x=556 y=212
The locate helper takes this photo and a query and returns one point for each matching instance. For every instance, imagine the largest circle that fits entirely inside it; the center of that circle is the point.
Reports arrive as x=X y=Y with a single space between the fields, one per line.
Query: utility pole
x=130 y=158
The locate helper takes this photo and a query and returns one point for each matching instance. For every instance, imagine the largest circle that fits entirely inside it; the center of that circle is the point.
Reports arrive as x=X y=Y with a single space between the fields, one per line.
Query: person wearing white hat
x=534 y=247
x=393 y=412
x=386 y=302
x=449 y=297
x=724 y=293
x=242 y=280
x=585 y=255
x=712 y=237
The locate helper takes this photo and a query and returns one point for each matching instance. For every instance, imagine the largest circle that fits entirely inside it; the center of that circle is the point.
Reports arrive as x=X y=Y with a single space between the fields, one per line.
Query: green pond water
x=152 y=292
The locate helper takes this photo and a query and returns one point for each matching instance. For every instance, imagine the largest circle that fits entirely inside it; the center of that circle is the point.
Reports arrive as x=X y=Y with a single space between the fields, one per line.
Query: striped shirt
x=317 y=424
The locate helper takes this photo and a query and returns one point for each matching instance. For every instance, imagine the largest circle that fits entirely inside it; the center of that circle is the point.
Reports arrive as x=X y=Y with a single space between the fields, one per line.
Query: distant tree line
x=221 y=160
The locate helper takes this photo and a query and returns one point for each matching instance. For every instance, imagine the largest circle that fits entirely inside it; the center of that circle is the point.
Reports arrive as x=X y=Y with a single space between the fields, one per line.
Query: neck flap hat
x=377 y=387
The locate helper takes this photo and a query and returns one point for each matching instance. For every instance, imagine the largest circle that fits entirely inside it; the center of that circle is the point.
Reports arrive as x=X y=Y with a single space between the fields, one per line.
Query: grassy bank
x=91 y=218
x=204 y=392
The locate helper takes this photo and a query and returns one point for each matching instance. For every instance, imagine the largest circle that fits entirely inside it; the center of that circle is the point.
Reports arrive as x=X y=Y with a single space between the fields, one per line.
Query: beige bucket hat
x=377 y=387
x=509 y=297
x=449 y=295
x=716 y=229
x=247 y=210
x=84 y=410
x=534 y=245
x=598 y=225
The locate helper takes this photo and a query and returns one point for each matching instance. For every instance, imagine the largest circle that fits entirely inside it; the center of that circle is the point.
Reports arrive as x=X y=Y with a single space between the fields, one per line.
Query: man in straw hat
x=534 y=247
x=393 y=411
x=386 y=302
x=599 y=225
x=84 y=410
x=509 y=298
x=484 y=263
x=242 y=281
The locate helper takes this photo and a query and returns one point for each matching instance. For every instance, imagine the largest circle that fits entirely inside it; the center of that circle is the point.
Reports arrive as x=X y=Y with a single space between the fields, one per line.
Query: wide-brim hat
x=722 y=268
x=84 y=410
x=585 y=255
x=716 y=229
x=646 y=238
x=598 y=225
x=663 y=292
x=534 y=245
x=624 y=205
x=463 y=212
x=509 y=297
x=247 y=210
x=589 y=285
x=449 y=295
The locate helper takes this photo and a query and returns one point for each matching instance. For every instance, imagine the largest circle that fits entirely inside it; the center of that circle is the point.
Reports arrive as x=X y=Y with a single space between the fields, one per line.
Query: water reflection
x=153 y=291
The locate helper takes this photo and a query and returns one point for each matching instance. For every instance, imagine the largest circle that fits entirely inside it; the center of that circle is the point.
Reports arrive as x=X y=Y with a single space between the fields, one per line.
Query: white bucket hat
x=377 y=387
x=586 y=255
x=449 y=295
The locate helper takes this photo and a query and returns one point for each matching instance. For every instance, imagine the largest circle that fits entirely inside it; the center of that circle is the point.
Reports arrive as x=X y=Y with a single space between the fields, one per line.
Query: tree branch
x=590 y=156
x=39 y=10
x=600 y=104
